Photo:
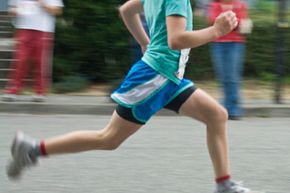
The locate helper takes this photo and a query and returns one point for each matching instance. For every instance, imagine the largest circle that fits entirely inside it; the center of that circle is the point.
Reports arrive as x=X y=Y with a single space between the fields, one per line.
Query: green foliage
x=263 y=45
x=70 y=84
x=92 y=41
x=267 y=77
x=287 y=79
x=266 y=6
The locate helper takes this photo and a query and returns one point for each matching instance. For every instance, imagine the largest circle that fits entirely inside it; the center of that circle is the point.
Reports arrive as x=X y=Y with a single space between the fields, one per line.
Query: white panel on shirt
x=182 y=62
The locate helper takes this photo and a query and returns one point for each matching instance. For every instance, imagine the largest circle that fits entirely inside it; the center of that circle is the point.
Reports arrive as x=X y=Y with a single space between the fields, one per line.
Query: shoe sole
x=13 y=171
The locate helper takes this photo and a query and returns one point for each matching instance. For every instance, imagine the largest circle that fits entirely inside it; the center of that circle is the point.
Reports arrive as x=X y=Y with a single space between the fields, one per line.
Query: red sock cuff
x=42 y=148
x=222 y=178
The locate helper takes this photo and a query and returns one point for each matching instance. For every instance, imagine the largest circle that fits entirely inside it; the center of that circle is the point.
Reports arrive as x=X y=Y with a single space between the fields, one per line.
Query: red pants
x=33 y=52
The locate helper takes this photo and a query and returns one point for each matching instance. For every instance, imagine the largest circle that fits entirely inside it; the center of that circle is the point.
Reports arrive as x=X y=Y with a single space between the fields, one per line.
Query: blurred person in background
x=200 y=8
x=251 y=3
x=228 y=53
x=35 y=25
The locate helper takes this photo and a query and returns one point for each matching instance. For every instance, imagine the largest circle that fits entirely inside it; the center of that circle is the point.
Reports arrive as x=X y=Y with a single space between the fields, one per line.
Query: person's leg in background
x=228 y=59
x=217 y=56
x=234 y=60
x=20 y=63
x=49 y=46
x=42 y=58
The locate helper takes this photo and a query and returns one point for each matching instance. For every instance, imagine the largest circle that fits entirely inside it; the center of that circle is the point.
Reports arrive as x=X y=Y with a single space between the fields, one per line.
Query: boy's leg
x=25 y=151
x=207 y=110
x=109 y=138
x=204 y=108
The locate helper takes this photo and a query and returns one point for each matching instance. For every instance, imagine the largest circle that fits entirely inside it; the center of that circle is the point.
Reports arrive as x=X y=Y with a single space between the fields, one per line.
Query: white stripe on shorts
x=140 y=92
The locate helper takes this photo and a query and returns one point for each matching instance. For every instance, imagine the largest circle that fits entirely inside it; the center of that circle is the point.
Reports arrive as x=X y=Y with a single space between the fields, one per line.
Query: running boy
x=153 y=83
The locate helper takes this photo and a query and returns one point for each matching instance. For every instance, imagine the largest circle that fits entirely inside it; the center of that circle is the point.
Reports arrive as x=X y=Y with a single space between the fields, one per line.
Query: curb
x=103 y=106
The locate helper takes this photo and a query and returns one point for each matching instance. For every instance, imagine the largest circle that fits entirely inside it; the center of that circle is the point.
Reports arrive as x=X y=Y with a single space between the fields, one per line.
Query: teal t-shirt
x=158 y=55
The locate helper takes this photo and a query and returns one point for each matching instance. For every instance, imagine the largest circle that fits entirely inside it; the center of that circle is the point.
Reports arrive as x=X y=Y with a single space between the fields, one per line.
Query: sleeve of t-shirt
x=176 y=7
x=57 y=3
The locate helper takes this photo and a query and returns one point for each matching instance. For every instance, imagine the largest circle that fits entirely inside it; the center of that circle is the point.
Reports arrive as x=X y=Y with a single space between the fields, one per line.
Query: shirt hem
x=149 y=63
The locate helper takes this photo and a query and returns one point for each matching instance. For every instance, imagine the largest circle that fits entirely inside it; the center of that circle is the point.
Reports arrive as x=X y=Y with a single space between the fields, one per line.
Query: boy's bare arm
x=130 y=15
x=179 y=38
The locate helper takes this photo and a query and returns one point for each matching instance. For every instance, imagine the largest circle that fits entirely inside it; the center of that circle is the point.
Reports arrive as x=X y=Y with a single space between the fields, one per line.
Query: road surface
x=168 y=155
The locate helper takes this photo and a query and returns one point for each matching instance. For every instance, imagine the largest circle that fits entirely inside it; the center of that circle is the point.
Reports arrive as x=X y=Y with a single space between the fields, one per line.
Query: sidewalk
x=96 y=101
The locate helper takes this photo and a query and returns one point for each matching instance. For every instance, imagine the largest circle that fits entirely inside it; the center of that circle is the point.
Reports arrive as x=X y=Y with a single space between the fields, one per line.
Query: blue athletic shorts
x=144 y=92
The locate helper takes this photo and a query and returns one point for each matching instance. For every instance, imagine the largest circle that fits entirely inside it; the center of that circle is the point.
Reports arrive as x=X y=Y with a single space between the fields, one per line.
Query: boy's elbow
x=123 y=10
x=174 y=44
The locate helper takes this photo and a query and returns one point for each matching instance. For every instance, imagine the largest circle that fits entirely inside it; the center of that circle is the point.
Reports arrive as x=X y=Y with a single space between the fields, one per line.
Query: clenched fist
x=225 y=23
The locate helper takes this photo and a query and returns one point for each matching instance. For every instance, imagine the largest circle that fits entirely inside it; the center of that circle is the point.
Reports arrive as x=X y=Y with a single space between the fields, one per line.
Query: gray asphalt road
x=167 y=156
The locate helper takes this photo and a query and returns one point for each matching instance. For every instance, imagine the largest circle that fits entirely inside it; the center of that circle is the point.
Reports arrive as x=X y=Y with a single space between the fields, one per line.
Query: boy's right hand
x=225 y=23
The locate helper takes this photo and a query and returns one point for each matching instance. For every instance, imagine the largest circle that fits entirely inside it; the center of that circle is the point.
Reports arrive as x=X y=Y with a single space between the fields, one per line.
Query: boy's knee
x=223 y=114
x=220 y=115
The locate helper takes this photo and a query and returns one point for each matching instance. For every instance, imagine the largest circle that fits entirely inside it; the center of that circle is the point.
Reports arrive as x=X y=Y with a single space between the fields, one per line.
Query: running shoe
x=232 y=187
x=38 y=98
x=9 y=97
x=22 y=157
